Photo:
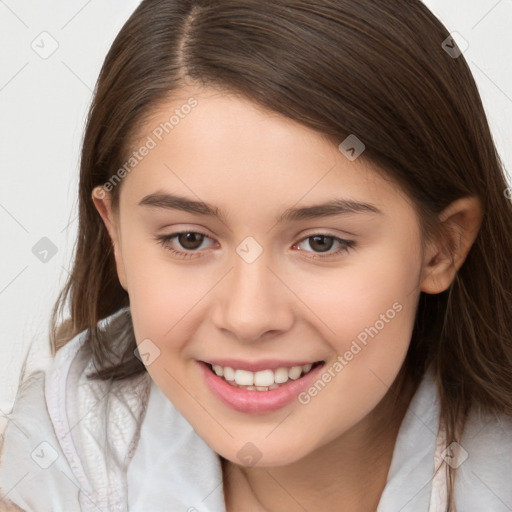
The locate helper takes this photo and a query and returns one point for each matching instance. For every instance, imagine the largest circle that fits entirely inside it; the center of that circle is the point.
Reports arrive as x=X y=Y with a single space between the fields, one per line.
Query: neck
x=350 y=471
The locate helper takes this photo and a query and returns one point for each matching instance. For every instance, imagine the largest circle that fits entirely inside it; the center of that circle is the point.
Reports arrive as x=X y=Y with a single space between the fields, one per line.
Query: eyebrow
x=327 y=209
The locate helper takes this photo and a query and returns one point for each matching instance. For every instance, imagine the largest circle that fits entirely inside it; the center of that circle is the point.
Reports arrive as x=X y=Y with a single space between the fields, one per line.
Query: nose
x=252 y=302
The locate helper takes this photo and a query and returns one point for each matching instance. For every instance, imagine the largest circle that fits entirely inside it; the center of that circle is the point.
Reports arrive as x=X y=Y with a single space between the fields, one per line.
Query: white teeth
x=244 y=378
x=281 y=375
x=263 y=380
x=294 y=372
x=218 y=370
x=229 y=373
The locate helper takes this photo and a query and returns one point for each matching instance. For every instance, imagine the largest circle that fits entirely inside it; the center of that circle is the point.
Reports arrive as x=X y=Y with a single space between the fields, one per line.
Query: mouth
x=271 y=387
x=262 y=380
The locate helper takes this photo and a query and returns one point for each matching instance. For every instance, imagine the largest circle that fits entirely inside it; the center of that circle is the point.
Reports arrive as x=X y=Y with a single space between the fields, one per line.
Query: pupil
x=319 y=241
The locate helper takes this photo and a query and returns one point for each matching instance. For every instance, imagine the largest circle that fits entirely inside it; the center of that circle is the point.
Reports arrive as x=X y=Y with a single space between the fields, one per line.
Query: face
x=264 y=280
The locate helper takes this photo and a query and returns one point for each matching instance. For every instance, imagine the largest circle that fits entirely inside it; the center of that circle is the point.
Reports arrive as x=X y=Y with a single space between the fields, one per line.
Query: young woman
x=293 y=278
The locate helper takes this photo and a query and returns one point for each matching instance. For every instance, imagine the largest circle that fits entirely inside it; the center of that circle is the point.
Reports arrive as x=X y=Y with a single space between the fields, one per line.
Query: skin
x=253 y=164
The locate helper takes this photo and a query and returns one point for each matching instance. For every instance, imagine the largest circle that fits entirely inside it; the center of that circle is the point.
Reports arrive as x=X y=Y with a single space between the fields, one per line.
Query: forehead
x=234 y=153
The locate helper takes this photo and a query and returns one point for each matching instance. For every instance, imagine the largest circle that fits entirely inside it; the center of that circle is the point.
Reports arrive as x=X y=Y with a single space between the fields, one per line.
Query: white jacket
x=76 y=444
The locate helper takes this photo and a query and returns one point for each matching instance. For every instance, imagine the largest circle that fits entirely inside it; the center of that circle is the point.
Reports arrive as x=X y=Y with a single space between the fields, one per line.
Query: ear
x=443 y=259
x=102 y=202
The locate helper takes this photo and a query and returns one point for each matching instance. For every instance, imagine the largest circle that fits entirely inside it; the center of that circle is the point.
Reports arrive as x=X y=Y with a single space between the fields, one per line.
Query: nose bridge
x=253 y=301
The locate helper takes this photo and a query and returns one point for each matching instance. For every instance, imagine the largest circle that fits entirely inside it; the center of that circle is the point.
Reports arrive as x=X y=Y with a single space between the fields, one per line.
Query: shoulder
x=68 y=435
x=482 y=459
x=484 y=462
x=34 y=473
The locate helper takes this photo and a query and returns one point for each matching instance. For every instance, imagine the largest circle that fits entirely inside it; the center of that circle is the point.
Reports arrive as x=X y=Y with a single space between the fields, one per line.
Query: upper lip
x=256 y=366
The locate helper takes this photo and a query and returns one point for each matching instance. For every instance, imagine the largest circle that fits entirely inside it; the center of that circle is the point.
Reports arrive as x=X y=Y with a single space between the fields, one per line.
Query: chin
x=260 y=454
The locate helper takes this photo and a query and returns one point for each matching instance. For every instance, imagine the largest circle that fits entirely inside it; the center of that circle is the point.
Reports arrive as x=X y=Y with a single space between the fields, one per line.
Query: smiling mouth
x=264 y=380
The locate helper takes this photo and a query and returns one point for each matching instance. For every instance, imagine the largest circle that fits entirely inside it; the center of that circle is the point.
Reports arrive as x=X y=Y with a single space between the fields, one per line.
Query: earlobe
x=103 y=204
x=462 y=220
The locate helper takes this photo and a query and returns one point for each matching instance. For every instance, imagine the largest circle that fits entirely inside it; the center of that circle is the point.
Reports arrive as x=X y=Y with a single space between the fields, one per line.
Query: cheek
x=165 y=297
x=371 y=310
x=368 y=307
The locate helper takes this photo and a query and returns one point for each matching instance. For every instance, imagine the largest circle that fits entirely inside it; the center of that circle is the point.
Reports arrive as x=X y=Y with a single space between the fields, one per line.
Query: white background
x=44 y=104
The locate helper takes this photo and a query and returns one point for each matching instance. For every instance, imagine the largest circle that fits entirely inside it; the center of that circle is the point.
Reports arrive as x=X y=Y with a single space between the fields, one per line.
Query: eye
x=323 y=243
x=188 y=243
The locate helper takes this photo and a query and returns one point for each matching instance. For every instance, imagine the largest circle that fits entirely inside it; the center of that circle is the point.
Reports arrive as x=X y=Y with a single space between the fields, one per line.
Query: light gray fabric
x=408 y=487
x=173 y=468
x=89 y=427
x=89 y=430
x=73 y=444
x=417 y=477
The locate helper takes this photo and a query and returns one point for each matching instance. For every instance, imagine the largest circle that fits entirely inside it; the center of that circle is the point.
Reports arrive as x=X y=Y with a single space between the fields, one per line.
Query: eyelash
x=164 y=240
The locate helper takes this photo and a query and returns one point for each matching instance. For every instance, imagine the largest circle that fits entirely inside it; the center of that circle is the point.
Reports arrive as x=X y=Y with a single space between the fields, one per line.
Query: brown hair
x=376 y=69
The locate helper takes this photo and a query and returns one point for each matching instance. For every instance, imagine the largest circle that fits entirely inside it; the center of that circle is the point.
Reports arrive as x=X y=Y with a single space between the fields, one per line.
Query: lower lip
x=257 y=401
